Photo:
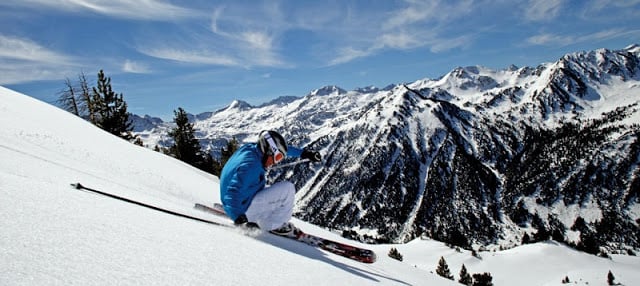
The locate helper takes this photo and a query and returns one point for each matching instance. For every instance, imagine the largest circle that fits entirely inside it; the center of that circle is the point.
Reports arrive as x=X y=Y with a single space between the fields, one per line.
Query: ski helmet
x=273 y=147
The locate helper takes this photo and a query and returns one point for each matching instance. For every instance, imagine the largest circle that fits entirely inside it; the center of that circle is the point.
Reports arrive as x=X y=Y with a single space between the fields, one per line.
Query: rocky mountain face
x=477 y=157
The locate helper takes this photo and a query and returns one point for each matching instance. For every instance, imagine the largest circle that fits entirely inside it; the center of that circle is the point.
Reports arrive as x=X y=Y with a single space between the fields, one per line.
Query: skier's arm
x=294 y=152
x=304 y=154
x=232 y=200
x=246 y=181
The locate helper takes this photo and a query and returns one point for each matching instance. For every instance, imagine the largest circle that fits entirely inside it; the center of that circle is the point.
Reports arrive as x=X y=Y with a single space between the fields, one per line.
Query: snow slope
x=52 y=234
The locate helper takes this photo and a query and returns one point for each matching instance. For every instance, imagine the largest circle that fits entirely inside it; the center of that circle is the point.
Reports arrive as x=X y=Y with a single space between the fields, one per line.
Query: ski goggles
x=276 y=156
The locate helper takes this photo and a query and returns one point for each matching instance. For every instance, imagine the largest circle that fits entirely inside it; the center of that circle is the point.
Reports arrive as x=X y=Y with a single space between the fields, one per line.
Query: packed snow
x=53 y=234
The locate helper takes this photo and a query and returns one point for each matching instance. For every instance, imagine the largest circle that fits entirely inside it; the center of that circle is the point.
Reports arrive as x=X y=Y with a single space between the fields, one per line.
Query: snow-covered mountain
x=477 y=157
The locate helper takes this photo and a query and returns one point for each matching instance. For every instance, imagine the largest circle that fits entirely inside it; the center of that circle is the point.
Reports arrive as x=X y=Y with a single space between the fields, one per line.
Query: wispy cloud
x=22 y=60
x=15 y=48
x=257 y=40
x=348 y=54
x=399 y=40
x=608 y=10
x=286 y=34
x=130 y=66
x=547 y=39
x=250 y=35
x=446 y=44
x=542 y=10
x=417 y=12
x=598 y=5
x=155 y=10
x=204 y=57
x=404 y=29
x=238 y=36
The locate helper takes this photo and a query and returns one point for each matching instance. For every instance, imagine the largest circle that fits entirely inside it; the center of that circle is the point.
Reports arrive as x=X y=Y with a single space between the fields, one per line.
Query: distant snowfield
x=52 y=234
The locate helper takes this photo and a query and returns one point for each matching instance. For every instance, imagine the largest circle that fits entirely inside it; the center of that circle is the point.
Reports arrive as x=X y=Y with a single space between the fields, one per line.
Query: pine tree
x=589 y=242
x=225 y=154
x=395 y=254
x=443 y=269
x=526 y=239
x=232 y=146
x=557 y=228
x=482 y=279
x=465 y=277
x=542 y=234
x=611 y=279
x=520 y=214
x=579 y=224
x=207 y=164
x=185 y=147
x=111 y=109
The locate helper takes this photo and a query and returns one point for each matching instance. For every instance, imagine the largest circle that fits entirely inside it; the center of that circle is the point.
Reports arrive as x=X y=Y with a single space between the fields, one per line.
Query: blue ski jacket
x=243 y=176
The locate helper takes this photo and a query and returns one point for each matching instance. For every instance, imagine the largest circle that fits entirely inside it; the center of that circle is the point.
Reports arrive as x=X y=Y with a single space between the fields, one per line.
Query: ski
x=213 y=210
x=349 y=251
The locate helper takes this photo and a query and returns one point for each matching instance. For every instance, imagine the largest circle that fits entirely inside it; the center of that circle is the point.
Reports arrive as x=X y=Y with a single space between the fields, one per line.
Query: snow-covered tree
x=465 y=277
x=443 y=269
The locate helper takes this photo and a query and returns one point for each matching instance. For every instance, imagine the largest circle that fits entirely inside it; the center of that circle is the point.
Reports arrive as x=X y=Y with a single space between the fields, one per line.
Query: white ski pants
x=273 y=206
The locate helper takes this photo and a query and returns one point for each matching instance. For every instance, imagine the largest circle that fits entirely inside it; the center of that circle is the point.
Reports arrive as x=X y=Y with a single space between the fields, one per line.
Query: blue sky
x=201 y=54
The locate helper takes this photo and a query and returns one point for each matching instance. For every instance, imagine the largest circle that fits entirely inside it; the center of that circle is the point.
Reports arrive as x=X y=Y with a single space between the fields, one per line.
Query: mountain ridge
x=477 y=157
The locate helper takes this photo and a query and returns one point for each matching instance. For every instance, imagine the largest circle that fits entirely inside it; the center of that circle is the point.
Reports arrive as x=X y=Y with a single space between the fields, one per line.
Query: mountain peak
x=328 y=90
x=240 y=105
x=634 y=48
x=282 y=100
x=367 y=89
x=463 y=72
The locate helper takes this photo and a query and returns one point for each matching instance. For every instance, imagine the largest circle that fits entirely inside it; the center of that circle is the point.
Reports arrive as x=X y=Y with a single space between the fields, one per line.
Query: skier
x=243 y=191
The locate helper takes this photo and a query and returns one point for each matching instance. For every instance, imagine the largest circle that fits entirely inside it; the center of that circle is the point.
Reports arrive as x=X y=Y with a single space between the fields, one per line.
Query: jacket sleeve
x=243 y=186
x=294 y=152
x=231 y=199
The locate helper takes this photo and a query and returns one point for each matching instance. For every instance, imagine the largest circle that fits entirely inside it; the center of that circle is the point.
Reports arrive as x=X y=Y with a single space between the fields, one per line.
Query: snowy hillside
x=53 y=234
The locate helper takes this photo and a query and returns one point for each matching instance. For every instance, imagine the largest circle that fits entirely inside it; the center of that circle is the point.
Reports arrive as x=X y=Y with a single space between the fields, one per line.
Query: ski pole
x=289 y=164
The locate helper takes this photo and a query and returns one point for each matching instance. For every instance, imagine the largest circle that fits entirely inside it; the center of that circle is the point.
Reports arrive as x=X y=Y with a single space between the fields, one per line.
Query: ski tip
x=373 y=258
x=77 y=186
x=367 y=258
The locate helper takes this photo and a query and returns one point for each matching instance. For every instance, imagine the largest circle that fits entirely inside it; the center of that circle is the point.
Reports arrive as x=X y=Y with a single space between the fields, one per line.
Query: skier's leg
x=282 y=214
x=273 y=206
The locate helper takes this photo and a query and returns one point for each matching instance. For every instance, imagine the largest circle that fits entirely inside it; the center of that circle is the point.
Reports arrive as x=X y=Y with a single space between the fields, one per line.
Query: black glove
x=243 y=222
x=313 y=156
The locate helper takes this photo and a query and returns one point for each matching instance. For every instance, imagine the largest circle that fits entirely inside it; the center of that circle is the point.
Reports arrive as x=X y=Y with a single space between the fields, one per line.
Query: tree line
x=187 y=148
x=107 y=110
x=99 y=104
